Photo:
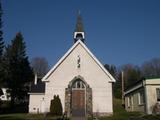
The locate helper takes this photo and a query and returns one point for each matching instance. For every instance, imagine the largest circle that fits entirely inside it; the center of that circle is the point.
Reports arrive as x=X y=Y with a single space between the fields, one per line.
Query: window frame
x=128 y=101
x=140 y=98
x=158 y=94
x=78 y=85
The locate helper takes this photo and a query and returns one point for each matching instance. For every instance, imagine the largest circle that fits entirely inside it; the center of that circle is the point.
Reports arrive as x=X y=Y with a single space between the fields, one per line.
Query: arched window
x=78 y=84
x=79 y=36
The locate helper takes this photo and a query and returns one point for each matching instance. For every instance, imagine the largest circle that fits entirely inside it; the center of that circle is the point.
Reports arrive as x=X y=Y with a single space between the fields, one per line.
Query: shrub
x=56 y=106
x=156 y=108
x=5 y=107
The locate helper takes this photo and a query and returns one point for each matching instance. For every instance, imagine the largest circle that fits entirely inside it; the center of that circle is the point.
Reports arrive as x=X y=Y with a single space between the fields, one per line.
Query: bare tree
x=132 y=74
x=151 y=68
x=40 y=66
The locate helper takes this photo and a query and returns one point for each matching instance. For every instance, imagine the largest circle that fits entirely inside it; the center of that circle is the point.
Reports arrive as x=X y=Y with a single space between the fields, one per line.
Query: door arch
x=78 y=89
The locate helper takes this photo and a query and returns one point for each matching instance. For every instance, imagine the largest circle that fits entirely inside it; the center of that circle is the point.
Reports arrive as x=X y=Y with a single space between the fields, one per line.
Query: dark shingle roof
x=134 y=84
x=38 y=88
x=1 y=92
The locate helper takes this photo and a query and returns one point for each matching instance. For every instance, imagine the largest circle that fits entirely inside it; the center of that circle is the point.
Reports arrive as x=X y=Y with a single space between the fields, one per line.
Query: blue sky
x=117 y=31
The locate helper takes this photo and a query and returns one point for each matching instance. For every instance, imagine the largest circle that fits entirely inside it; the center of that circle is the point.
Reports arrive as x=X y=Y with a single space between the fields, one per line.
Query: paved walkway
x=78 y=118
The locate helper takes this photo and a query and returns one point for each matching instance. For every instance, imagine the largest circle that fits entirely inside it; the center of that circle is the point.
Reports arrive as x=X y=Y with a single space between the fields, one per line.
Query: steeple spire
x=79 y=30
x=79 y=24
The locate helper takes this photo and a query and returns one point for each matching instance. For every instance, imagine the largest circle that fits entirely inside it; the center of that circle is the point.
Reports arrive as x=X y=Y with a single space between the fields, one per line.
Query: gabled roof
x=68 y=52
x=141 y=83
x=1 y=92
x=38 y=88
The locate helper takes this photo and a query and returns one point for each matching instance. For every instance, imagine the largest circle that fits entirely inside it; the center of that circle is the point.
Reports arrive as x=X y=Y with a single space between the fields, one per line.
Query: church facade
x=82 y=83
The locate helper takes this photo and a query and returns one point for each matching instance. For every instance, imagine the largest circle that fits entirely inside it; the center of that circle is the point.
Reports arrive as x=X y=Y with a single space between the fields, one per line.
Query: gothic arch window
x=78 y=84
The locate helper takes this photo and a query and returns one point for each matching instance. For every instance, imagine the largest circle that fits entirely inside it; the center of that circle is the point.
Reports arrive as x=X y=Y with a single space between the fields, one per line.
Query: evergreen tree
x=52 y=106
x=1 y=33
x=117 y=86
x=18 y=72
x=59 y=106
x=1 y=49
x=56 y=106
x=112 y=70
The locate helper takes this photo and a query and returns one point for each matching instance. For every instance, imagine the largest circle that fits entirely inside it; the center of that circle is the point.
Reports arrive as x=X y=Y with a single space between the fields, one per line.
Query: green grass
x=150 y=117
x=119 y=114
x=20 y=116
x=13 y=116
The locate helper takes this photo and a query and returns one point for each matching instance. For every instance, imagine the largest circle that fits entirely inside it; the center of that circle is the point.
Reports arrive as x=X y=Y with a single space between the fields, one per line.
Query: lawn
x=13 y=116
x=25 y=116
x=119 y=114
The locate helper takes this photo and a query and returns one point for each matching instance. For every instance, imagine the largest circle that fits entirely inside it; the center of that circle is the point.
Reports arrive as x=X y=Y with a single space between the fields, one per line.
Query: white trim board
x=134 y=88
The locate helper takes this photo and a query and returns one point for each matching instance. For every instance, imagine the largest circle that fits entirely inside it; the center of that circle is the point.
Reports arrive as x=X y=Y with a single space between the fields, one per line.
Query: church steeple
x=79 y=24
x=79 y=31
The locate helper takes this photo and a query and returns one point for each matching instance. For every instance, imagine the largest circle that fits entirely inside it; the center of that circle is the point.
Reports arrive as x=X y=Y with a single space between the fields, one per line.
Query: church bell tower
x=79 y=31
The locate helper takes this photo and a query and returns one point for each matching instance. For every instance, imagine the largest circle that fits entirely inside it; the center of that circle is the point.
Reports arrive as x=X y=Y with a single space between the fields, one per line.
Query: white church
x=83 y=84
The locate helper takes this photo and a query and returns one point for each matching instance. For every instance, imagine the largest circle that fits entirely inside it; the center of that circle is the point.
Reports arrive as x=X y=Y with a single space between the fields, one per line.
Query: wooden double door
x=78 y=103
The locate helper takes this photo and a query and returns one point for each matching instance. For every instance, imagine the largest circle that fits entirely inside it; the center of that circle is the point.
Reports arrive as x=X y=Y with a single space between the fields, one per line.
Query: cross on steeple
x=79 y=30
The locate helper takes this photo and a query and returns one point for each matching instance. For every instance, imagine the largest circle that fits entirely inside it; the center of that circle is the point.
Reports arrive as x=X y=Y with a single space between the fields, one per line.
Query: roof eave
x=36 y=93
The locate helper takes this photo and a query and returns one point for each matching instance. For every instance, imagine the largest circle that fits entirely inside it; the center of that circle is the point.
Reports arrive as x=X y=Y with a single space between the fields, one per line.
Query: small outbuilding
x=143 y=96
